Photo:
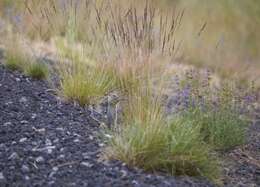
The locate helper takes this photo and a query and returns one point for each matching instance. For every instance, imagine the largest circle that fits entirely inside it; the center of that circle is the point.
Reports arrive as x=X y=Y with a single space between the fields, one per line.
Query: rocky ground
x=47 y=142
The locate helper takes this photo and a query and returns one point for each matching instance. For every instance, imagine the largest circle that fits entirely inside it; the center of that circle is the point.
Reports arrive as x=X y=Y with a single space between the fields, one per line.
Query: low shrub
x=223 y=129
x=221 y=112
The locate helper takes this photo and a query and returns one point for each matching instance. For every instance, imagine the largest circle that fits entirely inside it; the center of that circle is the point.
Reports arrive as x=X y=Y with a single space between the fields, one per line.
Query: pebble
x=39 y=159
x=25 y=168
x=2 y=177
x=13 y=156
x=48 y=142
x=59 y=129
x=61 y=156
x=91 y=137
x=42 y=130
x=7 y=124
x=23 y=100
x=101 y=145
x=17 y=80
x=22 y=140
x=87 y=164
x=134 y=182
x=34 y=116
x=55 y=168
x=24 y=122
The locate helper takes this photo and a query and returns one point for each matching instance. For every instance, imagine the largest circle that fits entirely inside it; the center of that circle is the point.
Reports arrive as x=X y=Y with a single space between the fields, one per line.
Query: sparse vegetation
x=37 y=71
x=18 y=58
x=175 y=126
x=146 y=139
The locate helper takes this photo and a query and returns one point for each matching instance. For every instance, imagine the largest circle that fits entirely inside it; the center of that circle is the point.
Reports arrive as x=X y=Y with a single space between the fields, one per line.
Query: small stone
x=48 y=142
x=87 y=164
x=59 y=129
x=22 y=140
x=108 y=136
x=101 y=145
x=134 y=182
x=85 y=155
x=52 y=174
x=124 y=173
x=24 y=122
x=76 y=140
x=7 y=124
x=27 y=178
x=17 y=80
x=91 y=137
x=61 y=156
x=25 y=168
x=55 y=168
x=42 y=130
x=34 y=116
x=49 y=151
x=39 y=159
x=13 y=156
x=2 y=177
x=23 y=100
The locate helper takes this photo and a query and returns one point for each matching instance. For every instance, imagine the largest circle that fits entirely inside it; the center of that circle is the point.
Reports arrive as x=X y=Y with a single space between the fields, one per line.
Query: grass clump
x=149 y=141
x=86 y=84
x=175 y=148
x=37 y=71
x=13 y=62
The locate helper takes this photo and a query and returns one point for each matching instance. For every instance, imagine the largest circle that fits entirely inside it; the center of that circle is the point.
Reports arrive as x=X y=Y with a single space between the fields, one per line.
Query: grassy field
x=186 y=72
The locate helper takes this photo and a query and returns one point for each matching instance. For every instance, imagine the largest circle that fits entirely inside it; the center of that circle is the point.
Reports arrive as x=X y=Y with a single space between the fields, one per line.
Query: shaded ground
x=47 y=142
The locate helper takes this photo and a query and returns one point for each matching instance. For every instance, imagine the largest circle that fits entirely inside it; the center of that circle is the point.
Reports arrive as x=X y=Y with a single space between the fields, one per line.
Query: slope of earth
x=47 y=142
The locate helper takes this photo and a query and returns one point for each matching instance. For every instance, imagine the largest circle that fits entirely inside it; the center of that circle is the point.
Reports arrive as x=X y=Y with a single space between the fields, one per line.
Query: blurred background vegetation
x=220 y=34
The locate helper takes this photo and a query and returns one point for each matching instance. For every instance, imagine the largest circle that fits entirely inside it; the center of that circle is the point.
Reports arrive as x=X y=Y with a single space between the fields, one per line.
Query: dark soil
x=47 y=142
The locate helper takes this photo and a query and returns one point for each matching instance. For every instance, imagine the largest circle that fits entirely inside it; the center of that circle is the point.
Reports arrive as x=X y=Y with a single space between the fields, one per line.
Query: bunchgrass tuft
x=147 y=140
x=37 y=71
x=13 y=62
x=86 y=84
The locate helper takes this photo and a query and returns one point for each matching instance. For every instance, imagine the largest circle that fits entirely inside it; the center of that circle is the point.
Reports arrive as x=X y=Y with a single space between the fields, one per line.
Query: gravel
x=45 y=141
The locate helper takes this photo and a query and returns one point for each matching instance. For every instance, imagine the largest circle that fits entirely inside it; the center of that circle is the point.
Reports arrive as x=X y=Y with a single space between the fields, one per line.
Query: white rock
x=55 y=168
x=13 y=156
x=7 y=123
x=23 y=100
x=34 y=116
x=87 y=164
x=25 y=168
x=17 y=80
x=48 y=142
x=2 y=177
x=22 y=140
x=24 y=122
x=39 y=159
